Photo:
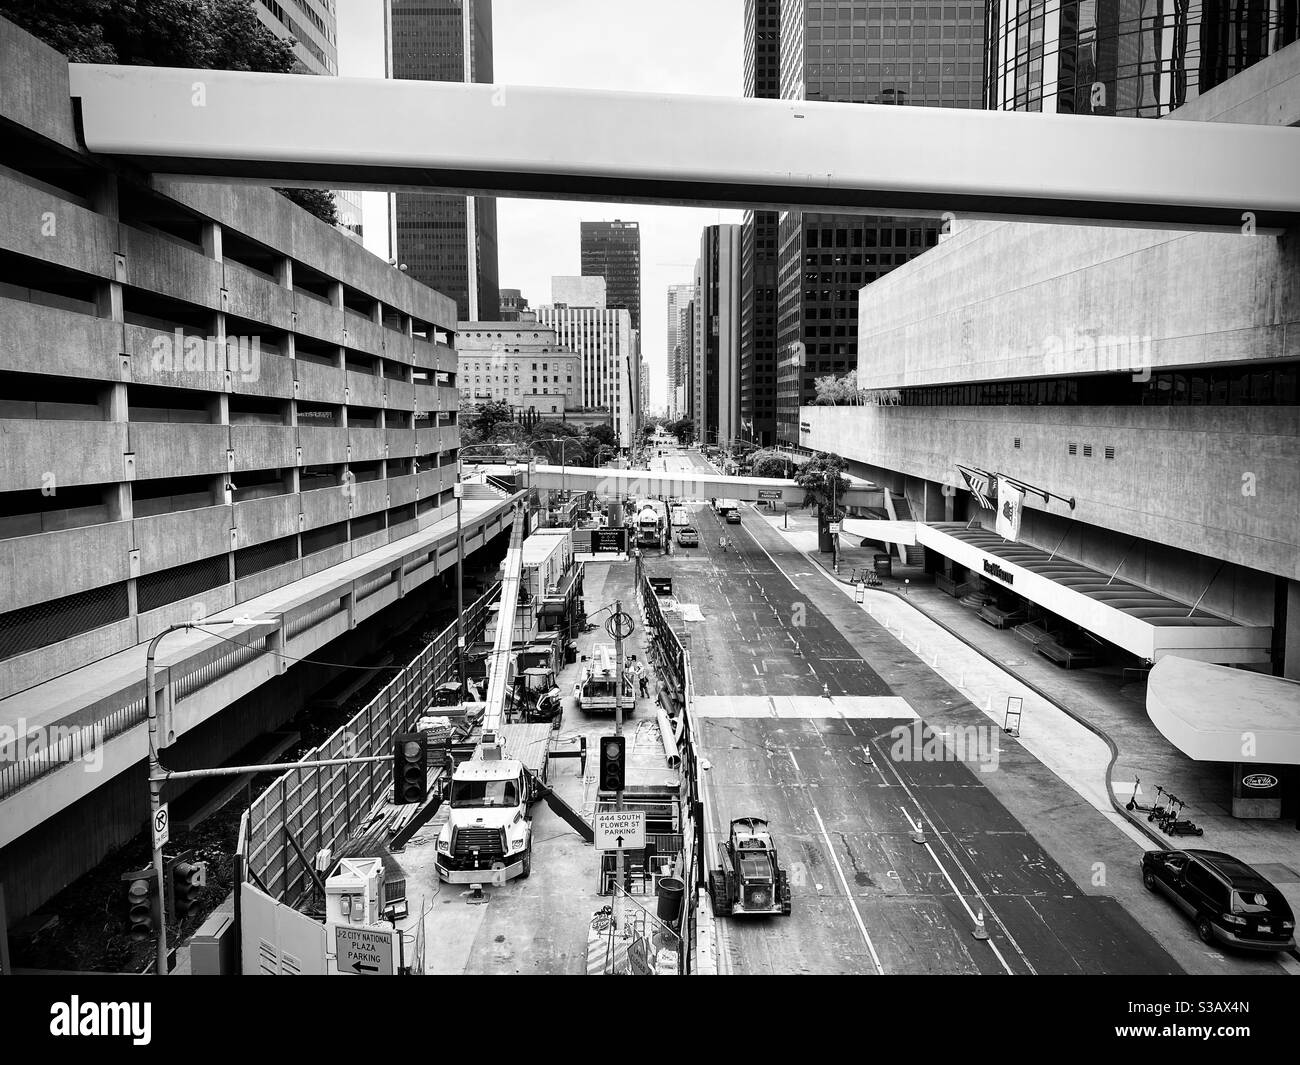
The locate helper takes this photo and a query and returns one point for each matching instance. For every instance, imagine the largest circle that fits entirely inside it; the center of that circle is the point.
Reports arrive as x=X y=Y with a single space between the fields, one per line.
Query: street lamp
x=562 y=441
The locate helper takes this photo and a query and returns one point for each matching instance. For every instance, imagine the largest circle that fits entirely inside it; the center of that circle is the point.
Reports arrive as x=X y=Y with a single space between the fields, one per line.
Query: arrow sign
x=363 y=951
x=618 y=830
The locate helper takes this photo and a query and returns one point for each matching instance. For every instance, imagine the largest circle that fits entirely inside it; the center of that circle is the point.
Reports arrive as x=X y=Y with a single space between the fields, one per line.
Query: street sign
x=770 y=493
x=161 y=826
x=608 y=541
x=364 y=951
x=835 y=528
x=620 y=830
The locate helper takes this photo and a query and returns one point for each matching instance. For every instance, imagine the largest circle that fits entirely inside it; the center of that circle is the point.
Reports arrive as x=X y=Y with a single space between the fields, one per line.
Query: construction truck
x=597 y=687
x=749 y=880
x=651 y=523
x=680 y=516
x=488 y=835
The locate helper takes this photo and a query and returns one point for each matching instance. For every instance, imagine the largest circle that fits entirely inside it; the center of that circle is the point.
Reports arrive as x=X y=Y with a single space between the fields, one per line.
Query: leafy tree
x=485 y=419
x=207 y=34
x=682 y=428
x=823 y=481
x=838 y=391
x=771 y=464
x=602 y=434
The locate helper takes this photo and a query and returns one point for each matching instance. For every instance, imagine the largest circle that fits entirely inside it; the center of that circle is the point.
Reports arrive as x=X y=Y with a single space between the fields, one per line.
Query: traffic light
x=613 y=763
x=142 y=910
x=187 y=882
x=410 y=768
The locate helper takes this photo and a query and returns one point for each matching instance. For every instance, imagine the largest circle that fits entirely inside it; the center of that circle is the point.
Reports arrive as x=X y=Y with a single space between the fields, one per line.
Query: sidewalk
x=1088 y=726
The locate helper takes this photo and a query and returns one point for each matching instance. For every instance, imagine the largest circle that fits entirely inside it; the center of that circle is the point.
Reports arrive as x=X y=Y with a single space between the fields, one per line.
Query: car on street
x=1229 y=902
x=688 y=536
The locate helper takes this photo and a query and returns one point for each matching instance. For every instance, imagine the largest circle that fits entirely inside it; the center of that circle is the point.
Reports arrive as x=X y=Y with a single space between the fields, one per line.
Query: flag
x=978 y=483
x=1011 y=499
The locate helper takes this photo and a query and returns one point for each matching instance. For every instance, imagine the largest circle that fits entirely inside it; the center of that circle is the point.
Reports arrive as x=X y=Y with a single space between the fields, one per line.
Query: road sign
x=364 y=951
x=608 y=541
x=161 y=826
x=770 y=493
x=620 y=830
x=835 y=528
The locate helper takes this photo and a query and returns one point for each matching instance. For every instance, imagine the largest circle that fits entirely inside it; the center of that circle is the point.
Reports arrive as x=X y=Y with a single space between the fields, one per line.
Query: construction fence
x=308 y=809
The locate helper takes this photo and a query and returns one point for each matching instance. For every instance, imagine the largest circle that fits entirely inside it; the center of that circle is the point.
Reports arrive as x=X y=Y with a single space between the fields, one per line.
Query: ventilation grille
x=1017 y=444
x=1074 y=448
x=1087 y=451
x=1110 y=452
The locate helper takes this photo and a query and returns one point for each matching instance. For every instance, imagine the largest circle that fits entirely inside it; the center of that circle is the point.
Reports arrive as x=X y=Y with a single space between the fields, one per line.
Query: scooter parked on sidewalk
x=1132 y=803
x=1177 y=825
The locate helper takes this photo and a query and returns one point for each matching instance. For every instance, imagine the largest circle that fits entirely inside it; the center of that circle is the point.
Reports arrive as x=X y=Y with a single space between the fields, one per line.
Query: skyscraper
x=685 y=392
x=678 y=297
x=612 y=250
x=872 y=52
x=447 y=242
x=717 y=332
x=1134 y=58
x=605 y=339
x=315 y=46
x=758 y=243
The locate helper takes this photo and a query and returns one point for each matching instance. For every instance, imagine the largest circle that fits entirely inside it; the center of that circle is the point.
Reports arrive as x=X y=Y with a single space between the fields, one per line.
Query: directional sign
x=608 y=541
x=363 y=950
x=620 y=830
x=770 y=493
x=161 y=827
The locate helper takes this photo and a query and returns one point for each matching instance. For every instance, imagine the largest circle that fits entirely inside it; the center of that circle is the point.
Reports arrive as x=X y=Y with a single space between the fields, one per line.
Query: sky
x=681 y=46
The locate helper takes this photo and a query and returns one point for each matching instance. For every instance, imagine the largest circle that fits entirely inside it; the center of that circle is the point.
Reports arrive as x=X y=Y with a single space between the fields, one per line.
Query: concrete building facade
x=446 y=242
x=1149 y=376
x=524 y=367
x=607 y=343
x=217 y=410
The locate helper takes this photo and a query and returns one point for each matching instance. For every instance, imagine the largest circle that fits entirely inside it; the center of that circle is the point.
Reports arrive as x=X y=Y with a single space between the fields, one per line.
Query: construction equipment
x=488 y=836
x=651 y=523
x=537 y=696
x=597 y=687
x=749 y=880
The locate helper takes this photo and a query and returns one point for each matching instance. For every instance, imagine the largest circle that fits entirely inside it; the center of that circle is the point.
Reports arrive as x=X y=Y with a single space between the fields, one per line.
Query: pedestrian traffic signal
x=187 y=882
x=142 y=910
x=410 y=768
x=613 y=763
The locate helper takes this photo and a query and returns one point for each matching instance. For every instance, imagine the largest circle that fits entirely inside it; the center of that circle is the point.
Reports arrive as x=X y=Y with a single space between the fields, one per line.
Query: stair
x=901 y=510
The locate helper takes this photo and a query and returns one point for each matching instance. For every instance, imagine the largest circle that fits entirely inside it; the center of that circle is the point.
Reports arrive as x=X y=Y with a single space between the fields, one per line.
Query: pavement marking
x=804 y=707
x=792 y=761
x=957 y=861
x=830 y=847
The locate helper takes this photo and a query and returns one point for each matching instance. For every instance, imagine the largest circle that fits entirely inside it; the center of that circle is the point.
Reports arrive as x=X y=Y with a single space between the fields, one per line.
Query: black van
x=1230 y=902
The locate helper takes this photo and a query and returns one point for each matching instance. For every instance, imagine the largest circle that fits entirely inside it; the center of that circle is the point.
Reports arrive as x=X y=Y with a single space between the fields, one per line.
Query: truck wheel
x=528 y=864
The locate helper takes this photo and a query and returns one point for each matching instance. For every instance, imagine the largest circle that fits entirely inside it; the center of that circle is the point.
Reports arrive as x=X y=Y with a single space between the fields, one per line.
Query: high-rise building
x=605 y=339
x=612 y=250
x=872 y=52
x=758 y=243
x=447 y=242
x=512 y=303
x=644 y=388
x=1136 y=58
x=678 y=297
x=685 y=391
x=518 y=363
x=717 y=332
x=313 y=28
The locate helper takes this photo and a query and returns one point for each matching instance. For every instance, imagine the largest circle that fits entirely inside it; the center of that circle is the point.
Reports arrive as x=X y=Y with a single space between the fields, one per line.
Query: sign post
x=620 y=830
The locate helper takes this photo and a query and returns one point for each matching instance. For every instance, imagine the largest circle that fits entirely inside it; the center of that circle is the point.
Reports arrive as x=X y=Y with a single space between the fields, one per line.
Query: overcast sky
x=686 y=46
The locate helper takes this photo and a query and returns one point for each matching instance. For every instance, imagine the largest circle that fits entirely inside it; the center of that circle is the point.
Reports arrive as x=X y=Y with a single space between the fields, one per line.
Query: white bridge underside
x=288 y=129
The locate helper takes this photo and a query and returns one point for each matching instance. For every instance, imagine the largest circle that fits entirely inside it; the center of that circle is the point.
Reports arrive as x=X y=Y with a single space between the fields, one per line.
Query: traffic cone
x=980 y=932
x=918 y=833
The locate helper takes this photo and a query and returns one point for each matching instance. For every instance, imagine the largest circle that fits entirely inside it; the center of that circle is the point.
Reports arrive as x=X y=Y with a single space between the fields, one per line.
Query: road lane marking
x=916 y=827
x=792 y=761
x=866 y=938
x=957 y=861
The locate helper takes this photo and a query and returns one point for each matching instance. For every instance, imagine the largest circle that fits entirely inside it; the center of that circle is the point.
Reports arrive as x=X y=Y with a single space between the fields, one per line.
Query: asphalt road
x=868 y=898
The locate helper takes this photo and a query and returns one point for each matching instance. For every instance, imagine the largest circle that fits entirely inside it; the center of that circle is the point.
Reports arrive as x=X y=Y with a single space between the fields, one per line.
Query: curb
x=1094 y=729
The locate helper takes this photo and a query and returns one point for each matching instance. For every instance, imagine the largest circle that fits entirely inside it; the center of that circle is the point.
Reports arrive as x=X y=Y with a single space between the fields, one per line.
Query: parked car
x=1230 y=902
x=688 y=536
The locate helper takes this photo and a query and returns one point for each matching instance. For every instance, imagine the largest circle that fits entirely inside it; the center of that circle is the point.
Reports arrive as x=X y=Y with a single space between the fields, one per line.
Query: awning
x=1206 y=711
x=1145 y=623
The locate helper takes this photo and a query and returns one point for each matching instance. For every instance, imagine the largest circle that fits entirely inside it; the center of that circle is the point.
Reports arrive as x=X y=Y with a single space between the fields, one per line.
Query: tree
x=602 y=434
x=682 y=428
x=485 y=419
x=838 y=391
x=771 y=464
x=823 y=482
x=207 y=34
